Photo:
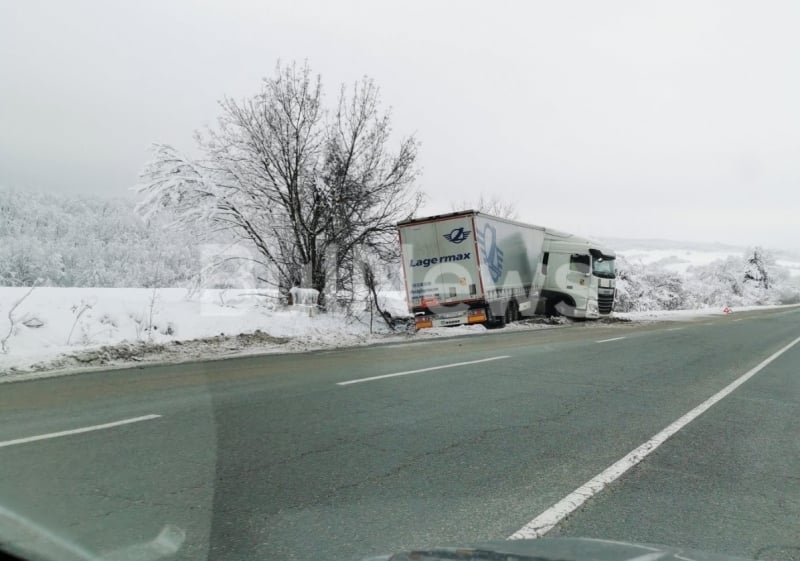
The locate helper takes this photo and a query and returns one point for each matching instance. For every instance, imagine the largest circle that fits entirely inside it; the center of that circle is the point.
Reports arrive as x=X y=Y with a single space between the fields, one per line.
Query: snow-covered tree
x=720 y=283
x=64 y=240
x=300 y=185
x=751 y=279
x=757 y=265
x=647 y=287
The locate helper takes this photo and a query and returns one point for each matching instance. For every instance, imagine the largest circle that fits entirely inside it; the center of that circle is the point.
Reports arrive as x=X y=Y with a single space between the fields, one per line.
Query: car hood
x=558 y=549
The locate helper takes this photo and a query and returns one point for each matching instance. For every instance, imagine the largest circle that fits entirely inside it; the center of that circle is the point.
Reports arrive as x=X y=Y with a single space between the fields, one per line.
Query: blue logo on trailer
x=457 y=235
x=491 y=254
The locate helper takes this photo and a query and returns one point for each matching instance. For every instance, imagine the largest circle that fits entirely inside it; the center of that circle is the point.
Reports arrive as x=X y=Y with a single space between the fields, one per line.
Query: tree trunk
x=318 y=274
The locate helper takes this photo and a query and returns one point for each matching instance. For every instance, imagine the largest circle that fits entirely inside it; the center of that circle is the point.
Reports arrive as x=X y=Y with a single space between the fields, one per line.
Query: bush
x=645 y=288
x=753 y=279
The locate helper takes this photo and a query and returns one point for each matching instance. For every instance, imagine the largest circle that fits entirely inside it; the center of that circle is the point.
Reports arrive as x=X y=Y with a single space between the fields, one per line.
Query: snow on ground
x=394 y=302
x=677 y=260
x=68 y=329
x=687 y=315
x=678 y=257
x=792 y=266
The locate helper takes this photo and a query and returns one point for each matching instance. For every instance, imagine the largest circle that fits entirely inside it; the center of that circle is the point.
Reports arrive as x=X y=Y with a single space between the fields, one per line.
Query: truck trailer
x=472 y=268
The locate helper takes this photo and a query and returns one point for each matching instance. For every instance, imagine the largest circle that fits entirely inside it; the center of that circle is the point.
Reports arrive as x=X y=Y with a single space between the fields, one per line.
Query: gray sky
x=665 y=119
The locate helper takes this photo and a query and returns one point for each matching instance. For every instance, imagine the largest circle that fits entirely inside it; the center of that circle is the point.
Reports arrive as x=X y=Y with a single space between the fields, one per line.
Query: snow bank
x=688 y=315
x=75 y=328
x=52 y=322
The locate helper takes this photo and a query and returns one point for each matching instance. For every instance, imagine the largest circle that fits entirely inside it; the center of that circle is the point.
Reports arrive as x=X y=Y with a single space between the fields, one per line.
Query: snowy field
x=792 y=266
x=681 y=259
x=52 y=322
x=677 y=260
x=64 y=329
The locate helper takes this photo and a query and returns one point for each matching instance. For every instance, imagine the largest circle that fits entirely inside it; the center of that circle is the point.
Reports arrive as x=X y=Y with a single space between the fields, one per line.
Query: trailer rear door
x=440 y=261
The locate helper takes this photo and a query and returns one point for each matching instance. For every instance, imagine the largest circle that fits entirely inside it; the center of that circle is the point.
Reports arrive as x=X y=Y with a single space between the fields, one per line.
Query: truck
x=468 y=267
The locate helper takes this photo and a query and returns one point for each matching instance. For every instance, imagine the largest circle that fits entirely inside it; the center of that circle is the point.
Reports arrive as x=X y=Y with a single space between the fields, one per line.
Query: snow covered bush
x=751 y=279
x=644 y=288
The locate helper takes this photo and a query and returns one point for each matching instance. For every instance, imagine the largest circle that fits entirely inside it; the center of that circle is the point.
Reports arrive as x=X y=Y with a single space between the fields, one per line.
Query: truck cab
x=578 y=277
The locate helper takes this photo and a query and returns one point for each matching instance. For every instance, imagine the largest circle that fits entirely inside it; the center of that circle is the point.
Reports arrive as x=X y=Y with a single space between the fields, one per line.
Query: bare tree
x=370 y=188
x=300 y=185
x=494 y=205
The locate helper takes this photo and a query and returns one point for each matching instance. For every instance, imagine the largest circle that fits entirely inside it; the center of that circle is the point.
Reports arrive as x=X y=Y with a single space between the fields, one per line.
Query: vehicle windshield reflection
x=603 y=267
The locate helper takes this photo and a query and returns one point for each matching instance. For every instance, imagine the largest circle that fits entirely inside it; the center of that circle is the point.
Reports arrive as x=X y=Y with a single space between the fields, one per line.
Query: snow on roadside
x=107 y=325
x=62 y=330
x=69 y=329
x=687 y=315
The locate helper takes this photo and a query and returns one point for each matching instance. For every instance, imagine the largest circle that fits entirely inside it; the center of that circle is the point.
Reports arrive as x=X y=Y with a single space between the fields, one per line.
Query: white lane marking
x=407 y=372
x=608 y=340
x=737 y=319
x=708 y=323
x=674 y=328
x=77 y=431
x=548 y=519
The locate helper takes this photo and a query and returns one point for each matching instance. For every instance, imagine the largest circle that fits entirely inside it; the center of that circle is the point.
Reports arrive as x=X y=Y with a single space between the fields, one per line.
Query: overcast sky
x=676 y=120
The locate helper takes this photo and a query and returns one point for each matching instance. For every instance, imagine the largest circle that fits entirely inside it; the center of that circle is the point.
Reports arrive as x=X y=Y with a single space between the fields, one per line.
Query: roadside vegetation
x=753 y=278
x=292 y=200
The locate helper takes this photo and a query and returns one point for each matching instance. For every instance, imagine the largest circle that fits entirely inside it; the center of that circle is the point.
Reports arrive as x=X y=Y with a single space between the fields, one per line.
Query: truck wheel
x=564 y=309
x=495 y=321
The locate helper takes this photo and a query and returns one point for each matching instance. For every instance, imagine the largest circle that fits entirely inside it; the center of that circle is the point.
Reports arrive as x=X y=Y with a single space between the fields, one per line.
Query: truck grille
x=605 y=302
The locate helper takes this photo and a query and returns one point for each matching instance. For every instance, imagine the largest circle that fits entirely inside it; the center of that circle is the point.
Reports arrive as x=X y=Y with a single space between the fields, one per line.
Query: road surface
x=351 y=453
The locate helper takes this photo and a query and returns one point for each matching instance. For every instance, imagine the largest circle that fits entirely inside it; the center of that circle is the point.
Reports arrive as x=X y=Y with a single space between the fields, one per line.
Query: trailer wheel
x=512 y=312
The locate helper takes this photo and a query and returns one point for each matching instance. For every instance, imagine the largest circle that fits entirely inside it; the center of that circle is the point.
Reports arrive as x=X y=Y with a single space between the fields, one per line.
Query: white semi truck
x=468 y=267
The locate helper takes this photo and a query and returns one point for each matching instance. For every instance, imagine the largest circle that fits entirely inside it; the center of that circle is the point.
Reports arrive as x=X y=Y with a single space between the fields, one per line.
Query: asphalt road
x=271 y=458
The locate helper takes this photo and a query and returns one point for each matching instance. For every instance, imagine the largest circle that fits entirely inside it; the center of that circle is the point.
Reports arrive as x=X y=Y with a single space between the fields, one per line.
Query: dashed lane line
x=420 y=370
x=81 y=430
